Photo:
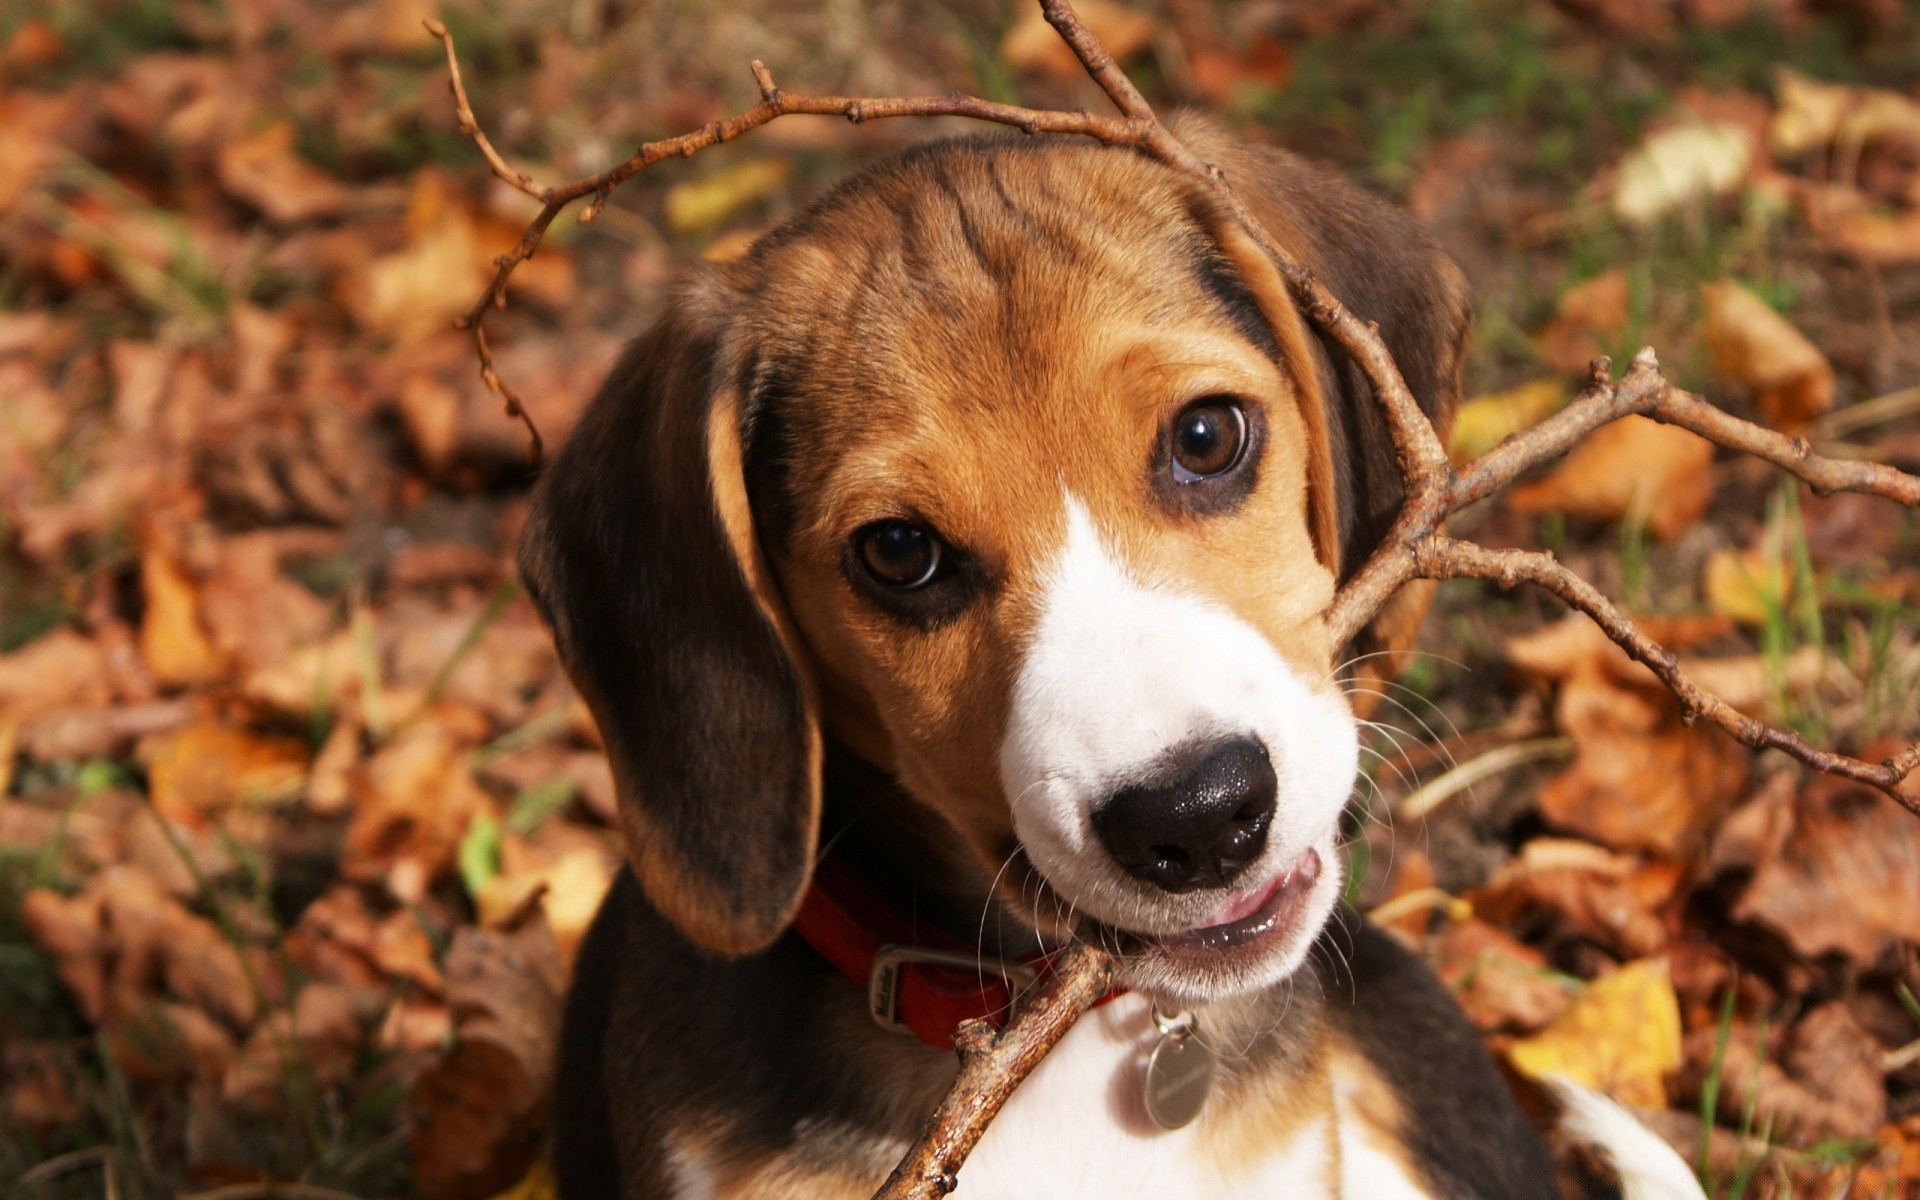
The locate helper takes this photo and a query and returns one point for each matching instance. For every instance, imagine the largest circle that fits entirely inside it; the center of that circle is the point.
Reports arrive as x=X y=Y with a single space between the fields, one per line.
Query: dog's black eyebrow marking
x=769 y=448
x=969 y=232
x=1219 y=280
x=1022 y=216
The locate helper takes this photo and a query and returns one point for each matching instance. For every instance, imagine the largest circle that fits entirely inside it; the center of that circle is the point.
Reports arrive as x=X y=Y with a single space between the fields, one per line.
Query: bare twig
x=774 y=104
x=991 y=1067
x=1414 y=548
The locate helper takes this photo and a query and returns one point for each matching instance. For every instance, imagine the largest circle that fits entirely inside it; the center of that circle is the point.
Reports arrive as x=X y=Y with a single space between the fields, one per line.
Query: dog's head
x=1011 y=467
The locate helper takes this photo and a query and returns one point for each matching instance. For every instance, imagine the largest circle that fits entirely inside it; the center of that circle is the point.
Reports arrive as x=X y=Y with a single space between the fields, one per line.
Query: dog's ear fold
x=640 y=552
x=1385 y=268
x=1254 y=278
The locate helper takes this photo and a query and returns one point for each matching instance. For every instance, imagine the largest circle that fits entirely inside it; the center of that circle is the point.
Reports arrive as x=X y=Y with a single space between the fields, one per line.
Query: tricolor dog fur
x=973 y=531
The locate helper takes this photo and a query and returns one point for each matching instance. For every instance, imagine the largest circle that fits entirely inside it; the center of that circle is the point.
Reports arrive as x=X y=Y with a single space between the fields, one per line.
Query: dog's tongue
x=1245 y=904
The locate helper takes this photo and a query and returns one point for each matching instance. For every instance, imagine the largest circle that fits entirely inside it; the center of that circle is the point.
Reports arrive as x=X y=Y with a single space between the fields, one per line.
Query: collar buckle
x=884 y=978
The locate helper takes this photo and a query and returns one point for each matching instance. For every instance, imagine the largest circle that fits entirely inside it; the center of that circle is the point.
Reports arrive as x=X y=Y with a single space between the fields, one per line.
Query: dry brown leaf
x=254 y=615
x=479 y=1113
x=1837 y=868
x=1621 y=1035
x=1641 y=778
x=1220 y=74
x=321 y=1037
x=1485 y=421
x=1503 y=984
x=413 y=802
x=1757 y=348
x=333 y=939
x=1587 y=319
x=572 y=880
x=1633 y=466
x=197 y=773
x=1611 y=900
x=1828 y=1086
x=118 y=942
x=173 y=641
x=1033 y=45
x=264 y=170
x=28 y=121
x=56 y=670
x=402 y=949
x=414 y=293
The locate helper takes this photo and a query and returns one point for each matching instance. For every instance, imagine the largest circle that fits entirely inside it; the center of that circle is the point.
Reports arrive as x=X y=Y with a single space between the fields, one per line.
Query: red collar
x=919 y=981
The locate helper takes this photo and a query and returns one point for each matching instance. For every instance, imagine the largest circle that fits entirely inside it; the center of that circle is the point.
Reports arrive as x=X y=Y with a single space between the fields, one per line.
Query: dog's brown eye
x=1208 y=439
x=899 y=554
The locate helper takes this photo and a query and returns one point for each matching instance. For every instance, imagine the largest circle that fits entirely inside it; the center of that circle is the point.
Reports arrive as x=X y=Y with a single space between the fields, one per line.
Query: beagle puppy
x=946 y=578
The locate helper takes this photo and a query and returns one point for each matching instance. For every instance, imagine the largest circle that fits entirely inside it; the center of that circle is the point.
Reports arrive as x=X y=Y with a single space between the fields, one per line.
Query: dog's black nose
x=1201 y=824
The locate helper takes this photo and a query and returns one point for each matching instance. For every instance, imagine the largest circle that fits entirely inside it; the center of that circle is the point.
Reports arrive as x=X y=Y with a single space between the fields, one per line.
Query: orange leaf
x=1632 y=465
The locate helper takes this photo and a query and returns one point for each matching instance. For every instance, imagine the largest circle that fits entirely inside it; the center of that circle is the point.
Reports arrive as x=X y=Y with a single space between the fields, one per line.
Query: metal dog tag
x=1179 y=1072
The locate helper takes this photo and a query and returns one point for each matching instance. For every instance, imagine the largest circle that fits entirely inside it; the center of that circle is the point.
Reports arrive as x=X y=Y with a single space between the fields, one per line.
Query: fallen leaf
x=1633 y=466
x=1034 y=45
x=1837 y=869
x=1812 y=115
x=1220 y=74
x=413 y=802
x=1611 y=900
x=1503 y=984
x=58 y=669
x=1621 y=1035
x=1747 y=586
x=479 y=1112
x=173 y=641
x=1485 y=421
x=197 y=773
x=1796 y=1105
x=417 y=291
x=572 y=879
x=1757 y=348
x=1641 y=777
x=700 y=205
x=1680 y=166
x=1587 y=319
x=321 y=1038
x=264 y=170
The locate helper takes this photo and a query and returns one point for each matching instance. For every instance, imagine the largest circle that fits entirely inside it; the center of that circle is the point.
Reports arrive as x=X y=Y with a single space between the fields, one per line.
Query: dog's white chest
x=1078 y=1127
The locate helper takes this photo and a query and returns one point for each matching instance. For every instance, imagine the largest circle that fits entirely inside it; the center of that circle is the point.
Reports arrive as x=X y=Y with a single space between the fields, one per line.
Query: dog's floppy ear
x=640 y=553
x=1384 y=267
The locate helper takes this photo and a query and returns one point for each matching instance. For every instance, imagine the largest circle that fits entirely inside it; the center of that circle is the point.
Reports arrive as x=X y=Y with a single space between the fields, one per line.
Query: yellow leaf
x=1621 y=1035
x=1485 y=421
x=702 y=204
x=537 y=1184
x=1746 y=586
x=1679 y=166
x=1758 y=349
x=575 y=884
